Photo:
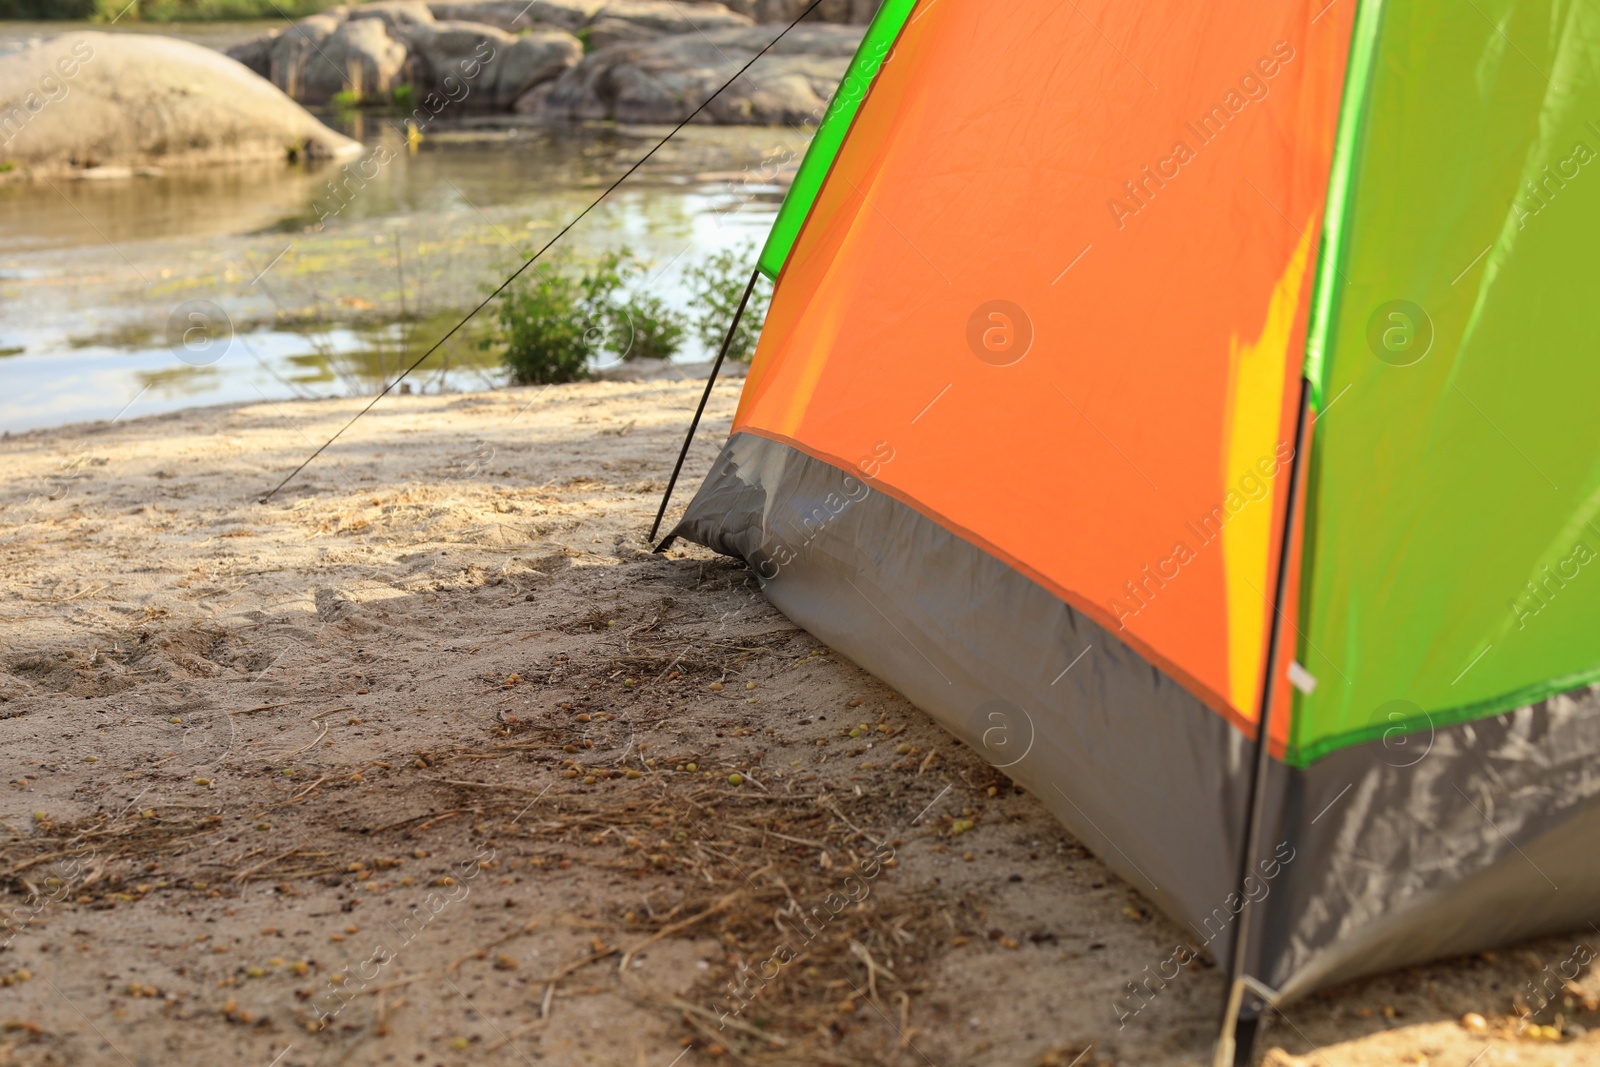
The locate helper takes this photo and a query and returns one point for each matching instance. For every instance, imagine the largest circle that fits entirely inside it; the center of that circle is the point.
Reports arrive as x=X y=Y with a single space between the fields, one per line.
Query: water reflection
x=335 y=302
x=478 y=166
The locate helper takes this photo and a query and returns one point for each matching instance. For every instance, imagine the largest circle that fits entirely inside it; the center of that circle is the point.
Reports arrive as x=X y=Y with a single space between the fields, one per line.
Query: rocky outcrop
x=369 y=60
x=371 y=49
x=534 y=59
x=847 y=11
x=256 y=53
x=481 y=66
x=441 y=51
x=394 y=14
x=665 y=80
x=515 y=15
x=647 y=60
x=317 y=58
x=96 y=102
x=632 y=21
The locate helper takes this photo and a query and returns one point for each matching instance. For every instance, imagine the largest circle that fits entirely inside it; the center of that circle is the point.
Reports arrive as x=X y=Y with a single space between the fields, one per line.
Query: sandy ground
x=429 y=760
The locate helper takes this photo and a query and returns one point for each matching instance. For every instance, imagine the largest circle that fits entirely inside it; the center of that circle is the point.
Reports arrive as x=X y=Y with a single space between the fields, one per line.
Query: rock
x=393 y=13
x=256 y=53
x=86 y=100
x=536 y=102
x=319 y=57
x=615 y=19
x=372 y=60
x=666 y=79
x=514 y=15
x=481 y=66
x=847 y=11
x=622 y=21
x=604 y=32
x=535 y=58
x=291 y=49
x=449 y=57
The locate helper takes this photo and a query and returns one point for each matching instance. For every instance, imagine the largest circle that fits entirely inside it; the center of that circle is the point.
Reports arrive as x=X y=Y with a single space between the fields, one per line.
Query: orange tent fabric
x=975 y=231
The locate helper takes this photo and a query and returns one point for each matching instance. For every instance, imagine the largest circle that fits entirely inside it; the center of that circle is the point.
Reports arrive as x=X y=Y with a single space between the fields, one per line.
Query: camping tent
x=1140 y=372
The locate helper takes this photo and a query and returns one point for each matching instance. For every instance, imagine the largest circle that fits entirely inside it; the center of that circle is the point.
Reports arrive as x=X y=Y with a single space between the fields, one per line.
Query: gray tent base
x=1377 y=856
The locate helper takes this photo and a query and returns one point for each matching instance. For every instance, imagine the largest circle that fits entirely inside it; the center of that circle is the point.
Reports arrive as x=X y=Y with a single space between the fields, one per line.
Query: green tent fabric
x=876 y=46
x=1453 y=548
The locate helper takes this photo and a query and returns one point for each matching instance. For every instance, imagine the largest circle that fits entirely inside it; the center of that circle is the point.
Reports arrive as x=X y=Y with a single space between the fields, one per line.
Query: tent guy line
x=547 y=246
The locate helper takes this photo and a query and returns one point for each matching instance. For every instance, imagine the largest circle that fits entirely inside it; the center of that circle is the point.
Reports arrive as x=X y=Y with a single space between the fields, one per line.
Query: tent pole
x=1247 y=997
x=704 y=397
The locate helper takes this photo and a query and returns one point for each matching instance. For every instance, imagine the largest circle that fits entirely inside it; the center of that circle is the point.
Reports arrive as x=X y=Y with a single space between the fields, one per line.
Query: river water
x=307 y=283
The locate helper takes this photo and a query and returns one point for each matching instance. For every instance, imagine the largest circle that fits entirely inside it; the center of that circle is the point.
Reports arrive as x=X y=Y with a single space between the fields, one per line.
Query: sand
x=396 y=768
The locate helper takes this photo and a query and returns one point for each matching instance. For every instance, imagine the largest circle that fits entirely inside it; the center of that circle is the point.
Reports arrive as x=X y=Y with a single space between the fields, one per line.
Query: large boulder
x=515 y=15
x=457 y=51
x=623 y=21
x=394 y=14
x=847 y=11
x=256 y=53
x=480 y=66
x=319 y=57
x=86 y=100
x=532 y=60
x=291 y=52
x=666 y=79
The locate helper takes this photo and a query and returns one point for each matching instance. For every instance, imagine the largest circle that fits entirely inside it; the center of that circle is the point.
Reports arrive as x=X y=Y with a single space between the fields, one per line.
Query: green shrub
x=718 y=284
x=555 y=323
x=542 y=327
x=405 y=96
x=657 y=329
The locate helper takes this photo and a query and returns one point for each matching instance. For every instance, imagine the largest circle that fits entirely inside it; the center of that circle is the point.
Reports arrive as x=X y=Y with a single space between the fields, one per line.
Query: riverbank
x=328 y=290
x=431 y=757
